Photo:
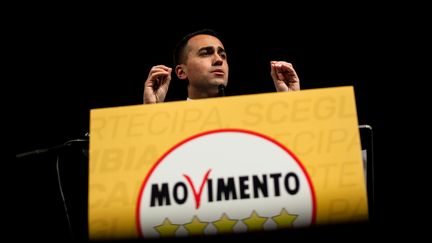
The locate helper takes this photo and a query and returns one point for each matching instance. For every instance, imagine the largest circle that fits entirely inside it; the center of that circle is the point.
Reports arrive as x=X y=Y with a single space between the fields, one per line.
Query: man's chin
x=218 y=82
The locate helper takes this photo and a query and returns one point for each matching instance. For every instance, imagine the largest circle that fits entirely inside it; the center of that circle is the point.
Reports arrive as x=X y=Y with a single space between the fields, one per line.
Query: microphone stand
x=51 y=149
x=57 y=149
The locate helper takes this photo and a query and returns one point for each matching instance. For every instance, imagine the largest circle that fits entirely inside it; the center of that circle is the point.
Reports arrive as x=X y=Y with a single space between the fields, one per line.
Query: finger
x=168 y=77
x=273 y=71
x=161 y=78
x=288 y=71
x=161 y=67
x=161 y=74
x=282 y=66
x=278 y=71
x=155 y=78
x=280 y=75
x=157 y=69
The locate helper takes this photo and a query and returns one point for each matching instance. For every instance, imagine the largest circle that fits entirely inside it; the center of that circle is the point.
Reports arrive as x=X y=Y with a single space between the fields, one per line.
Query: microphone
x=221 y=90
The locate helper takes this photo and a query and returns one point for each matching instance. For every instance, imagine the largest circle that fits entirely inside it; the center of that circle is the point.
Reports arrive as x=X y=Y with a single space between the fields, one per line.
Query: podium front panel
x=226 y=165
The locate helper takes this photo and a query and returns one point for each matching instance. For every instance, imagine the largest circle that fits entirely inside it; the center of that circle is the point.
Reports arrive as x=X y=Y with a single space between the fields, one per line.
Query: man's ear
x=181 y=71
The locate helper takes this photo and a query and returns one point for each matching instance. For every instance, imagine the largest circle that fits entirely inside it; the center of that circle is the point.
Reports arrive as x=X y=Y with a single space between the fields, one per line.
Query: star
x=167 y=229
x=224 y=224
x=195 y=227
x=284 y=219
x=255 y=222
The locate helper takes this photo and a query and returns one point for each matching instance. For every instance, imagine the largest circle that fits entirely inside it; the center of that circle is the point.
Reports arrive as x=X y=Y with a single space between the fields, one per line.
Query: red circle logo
x=225 y=181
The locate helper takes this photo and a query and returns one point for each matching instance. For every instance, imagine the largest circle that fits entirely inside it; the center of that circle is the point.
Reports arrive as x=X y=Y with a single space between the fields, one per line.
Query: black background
x=76 y=58
x=71 y=63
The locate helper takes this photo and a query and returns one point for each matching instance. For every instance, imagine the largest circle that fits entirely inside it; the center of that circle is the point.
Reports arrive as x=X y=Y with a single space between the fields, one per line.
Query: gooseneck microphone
x=56 y=148
x=221 y=90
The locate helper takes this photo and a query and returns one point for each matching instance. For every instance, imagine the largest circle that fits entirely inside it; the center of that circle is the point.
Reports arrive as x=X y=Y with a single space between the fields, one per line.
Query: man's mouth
x=218 y=72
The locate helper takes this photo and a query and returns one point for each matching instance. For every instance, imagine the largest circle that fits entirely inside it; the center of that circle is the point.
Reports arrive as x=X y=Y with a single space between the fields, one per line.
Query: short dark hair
x=180 y=47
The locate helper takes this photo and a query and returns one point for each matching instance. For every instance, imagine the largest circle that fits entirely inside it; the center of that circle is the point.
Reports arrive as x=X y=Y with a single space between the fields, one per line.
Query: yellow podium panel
x=226 y=165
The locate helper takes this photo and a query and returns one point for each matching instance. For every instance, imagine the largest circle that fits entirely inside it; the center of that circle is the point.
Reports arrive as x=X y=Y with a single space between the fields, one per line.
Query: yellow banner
x=229 y=164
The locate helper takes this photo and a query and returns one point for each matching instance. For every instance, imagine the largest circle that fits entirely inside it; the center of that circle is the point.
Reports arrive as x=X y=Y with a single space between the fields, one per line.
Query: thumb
x=273 y=71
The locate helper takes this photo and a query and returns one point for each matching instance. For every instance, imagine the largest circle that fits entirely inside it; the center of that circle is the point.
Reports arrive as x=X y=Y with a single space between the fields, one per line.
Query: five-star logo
x=225 y=181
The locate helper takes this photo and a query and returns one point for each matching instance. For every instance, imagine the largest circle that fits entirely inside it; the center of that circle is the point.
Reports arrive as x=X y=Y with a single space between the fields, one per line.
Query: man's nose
x=217 y=60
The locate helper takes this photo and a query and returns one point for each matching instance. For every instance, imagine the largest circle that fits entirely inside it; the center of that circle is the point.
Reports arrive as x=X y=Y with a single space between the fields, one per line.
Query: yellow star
x=224 y=224
x=167 y=229
x=284 y=219
x=195 y=227
x=255 y=222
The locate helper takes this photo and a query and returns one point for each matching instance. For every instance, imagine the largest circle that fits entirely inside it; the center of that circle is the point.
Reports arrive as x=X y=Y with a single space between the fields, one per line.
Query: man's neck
x=195 y=94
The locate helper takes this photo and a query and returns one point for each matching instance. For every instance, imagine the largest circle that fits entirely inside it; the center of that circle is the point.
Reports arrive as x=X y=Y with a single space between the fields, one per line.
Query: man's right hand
x=156 y=85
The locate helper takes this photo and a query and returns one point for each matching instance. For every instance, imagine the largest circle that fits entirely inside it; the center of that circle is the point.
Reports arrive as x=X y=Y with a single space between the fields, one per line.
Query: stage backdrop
x=226 y=165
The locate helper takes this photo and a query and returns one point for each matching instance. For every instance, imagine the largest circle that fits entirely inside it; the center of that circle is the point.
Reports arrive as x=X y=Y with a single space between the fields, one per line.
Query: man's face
x=206 y=64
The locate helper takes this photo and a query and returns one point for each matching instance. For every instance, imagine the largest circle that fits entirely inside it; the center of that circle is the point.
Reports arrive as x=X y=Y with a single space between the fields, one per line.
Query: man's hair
x=179 y=50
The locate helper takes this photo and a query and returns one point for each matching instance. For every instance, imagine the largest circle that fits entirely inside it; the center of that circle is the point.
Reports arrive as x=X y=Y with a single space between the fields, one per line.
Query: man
x=201 y=60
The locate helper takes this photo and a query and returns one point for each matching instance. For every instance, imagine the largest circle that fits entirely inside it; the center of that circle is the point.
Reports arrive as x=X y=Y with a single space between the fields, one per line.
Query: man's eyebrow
x=219 y=49
x=206 y=48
